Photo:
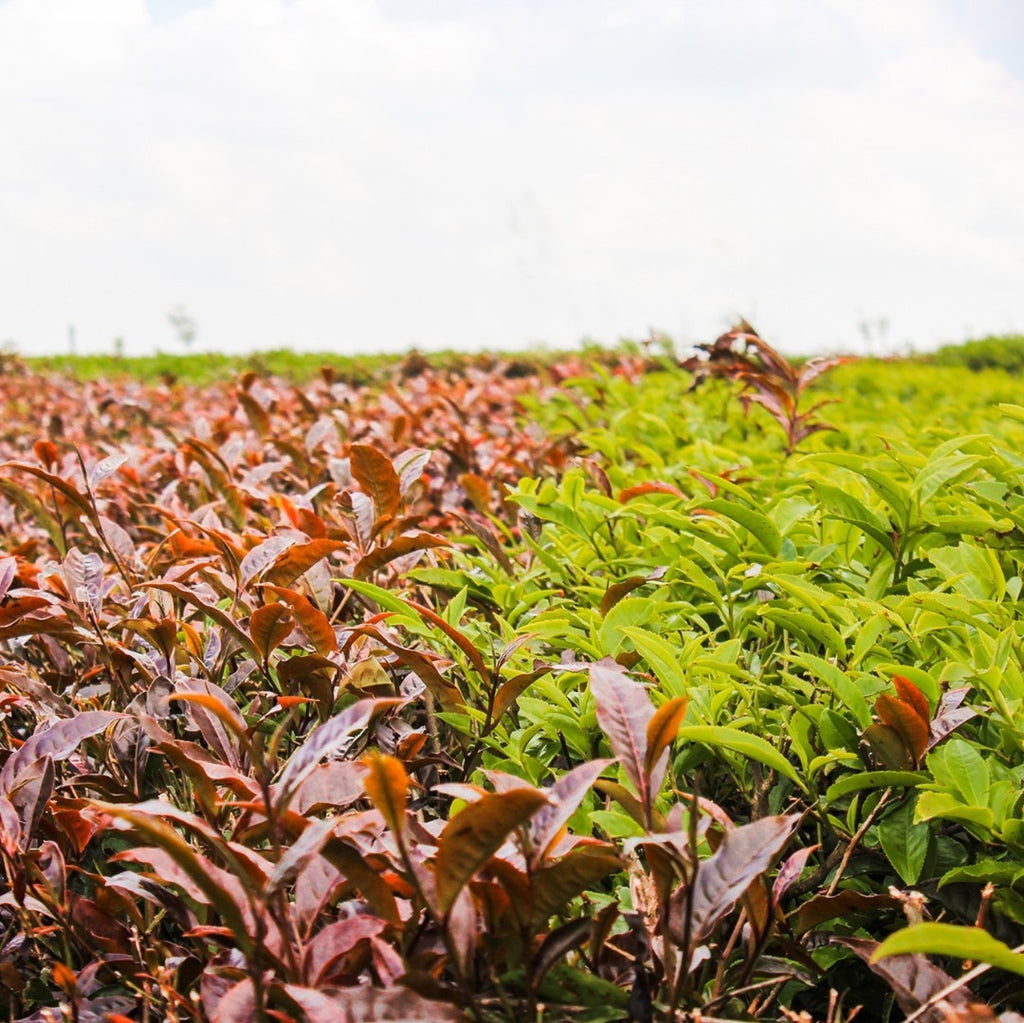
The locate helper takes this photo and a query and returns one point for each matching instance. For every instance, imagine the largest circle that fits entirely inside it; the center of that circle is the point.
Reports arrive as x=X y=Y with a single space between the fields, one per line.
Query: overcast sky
x=367 y=175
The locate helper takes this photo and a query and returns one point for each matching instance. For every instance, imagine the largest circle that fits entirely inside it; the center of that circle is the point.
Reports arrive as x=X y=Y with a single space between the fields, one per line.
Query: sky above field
x=369 y=175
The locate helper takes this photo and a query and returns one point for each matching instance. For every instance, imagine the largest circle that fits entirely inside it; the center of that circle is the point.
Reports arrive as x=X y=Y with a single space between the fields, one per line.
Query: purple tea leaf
x=623 y=712
x=745 y=854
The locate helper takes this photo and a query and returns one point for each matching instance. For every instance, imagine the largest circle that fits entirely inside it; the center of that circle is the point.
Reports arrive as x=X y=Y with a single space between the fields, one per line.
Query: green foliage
x=1004 y=352
x=207 y=367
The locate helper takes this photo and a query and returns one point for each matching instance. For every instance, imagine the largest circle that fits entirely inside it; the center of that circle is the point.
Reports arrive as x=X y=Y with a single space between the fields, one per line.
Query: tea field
x=586 y=687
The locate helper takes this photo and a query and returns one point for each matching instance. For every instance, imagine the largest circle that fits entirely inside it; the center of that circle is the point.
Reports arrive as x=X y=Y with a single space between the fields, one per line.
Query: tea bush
x=510 y=691
x=1004 y=352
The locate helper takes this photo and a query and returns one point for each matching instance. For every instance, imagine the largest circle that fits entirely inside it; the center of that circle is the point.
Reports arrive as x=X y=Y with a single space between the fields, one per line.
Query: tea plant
x=324 y=700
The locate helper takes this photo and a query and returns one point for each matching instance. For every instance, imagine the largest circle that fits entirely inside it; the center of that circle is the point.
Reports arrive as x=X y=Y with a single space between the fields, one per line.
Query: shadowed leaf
x=325 y=740
x=744 y=855
x=827 y=907
x=913 y=979
x=57 y=742
x=904 y=719
x=211 y=611
x=556 y=883
x=971 y=943
x=161 y=834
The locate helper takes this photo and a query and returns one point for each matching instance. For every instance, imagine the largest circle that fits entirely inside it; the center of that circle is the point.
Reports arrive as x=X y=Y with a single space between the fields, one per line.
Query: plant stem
x=855 y=841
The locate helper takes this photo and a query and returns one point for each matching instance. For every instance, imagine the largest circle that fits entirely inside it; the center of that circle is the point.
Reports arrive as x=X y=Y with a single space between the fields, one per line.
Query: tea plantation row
x=504 y=691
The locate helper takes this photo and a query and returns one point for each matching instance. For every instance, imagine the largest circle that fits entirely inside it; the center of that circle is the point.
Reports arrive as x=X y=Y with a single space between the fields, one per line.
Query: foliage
x=210 y=367
x=481 y=693
x=1004 y=352
x=768 y=378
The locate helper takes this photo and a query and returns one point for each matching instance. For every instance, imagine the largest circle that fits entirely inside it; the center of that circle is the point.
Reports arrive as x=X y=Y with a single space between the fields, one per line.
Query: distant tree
x=183 y=324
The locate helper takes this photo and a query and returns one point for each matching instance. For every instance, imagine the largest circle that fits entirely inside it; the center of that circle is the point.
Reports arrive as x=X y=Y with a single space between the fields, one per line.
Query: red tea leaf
x=463 y=642
x=263 y=555
x=58 y=742
x=400 y=546
x=366 y=1004
x=915 y=980
x=410 y=466
x=313 y=622
x=299 y=558
x=355 y=868
x=269 y=626
x=211 y=611
x=334 y=784
x=238 y=1005
x=827 y=907
x=650 y=487
x=376 y=475
x=64 y=977
x=195 y=867
x=76 y=497
x=618 y=590
x=215 y=714
x=903 y=717
x=334 y=943
x=558 y=944
x=47 y=453
x=307 y=846
x=478 y=491
x=556 y=883
x=909 y=693
x=510 y=691
x=564 y=797
x=949 y=715
x=326 y=739
x=790 y=871
x=16 y=609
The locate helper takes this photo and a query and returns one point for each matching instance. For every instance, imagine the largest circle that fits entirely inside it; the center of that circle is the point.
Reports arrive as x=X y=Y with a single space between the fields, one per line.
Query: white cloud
x=364 y=176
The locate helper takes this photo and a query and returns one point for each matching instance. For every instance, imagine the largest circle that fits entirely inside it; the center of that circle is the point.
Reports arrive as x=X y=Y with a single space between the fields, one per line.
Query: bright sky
x=367 y=175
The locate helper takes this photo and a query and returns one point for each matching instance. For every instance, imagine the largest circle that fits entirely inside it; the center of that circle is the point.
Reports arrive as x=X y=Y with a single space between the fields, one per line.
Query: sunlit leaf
x=376 y=475
x=387 y=785
x=752 y=746
x=475 y=834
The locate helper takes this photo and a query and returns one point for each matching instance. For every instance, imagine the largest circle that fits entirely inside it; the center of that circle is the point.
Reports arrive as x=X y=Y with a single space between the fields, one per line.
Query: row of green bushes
x=1002 y=352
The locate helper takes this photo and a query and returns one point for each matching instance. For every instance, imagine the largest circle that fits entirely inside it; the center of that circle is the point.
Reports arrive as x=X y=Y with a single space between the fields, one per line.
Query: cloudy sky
x=367 y=175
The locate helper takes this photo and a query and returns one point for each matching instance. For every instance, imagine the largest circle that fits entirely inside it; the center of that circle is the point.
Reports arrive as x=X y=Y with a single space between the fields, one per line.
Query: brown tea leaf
x=472 y=837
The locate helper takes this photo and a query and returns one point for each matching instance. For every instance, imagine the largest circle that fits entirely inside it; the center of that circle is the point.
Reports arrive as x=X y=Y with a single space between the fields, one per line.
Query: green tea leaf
x=754 y=522
x=904 y=842
x=752 y=746
x=873 y=780
x=971 y=943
